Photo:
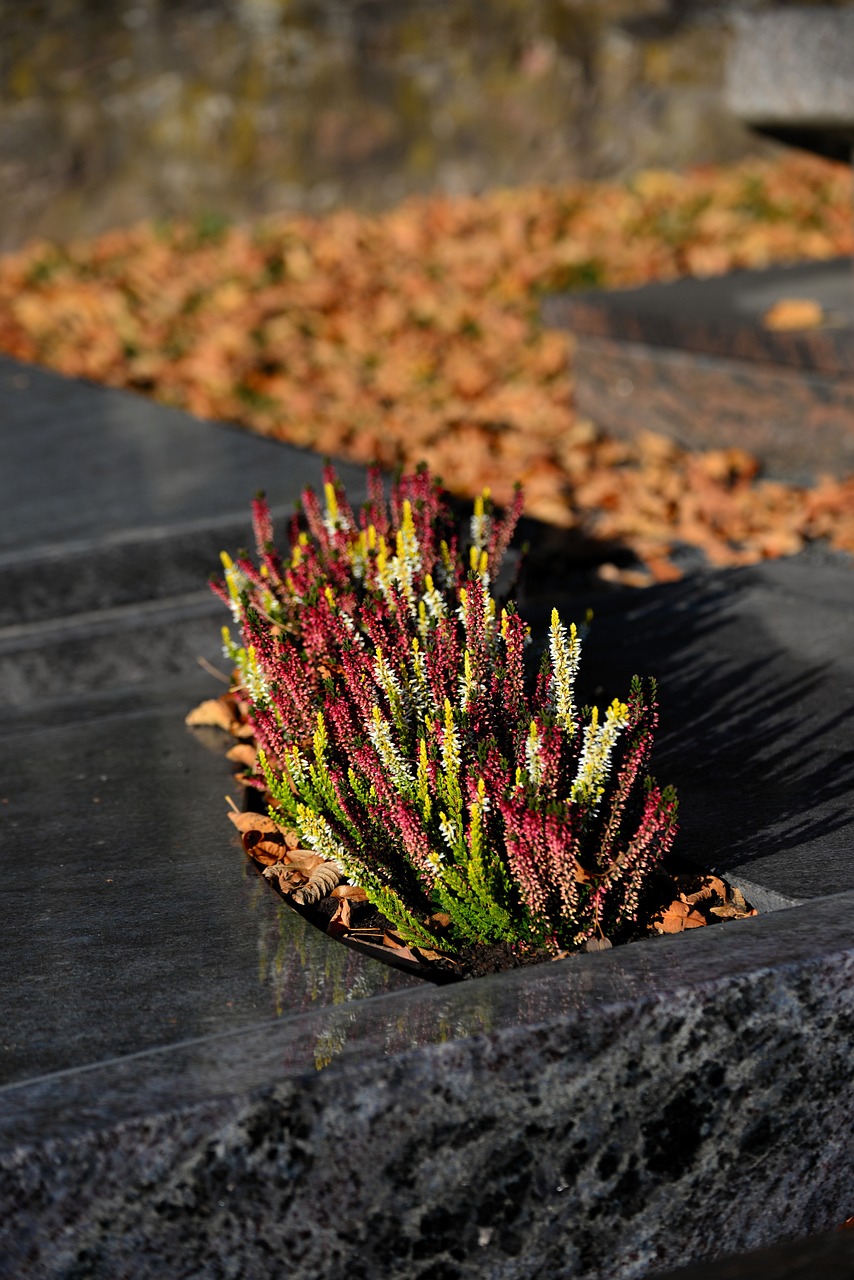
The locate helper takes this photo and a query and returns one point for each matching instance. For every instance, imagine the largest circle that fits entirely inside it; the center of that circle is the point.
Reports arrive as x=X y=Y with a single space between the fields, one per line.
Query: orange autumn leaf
x=794 y=313
x=415 y=334
x=213 y=712
x=340 y=921
x=243 y=754
x=677 y=917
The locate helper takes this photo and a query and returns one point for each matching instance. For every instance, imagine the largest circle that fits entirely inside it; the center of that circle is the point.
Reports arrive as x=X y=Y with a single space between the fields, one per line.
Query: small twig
x=229 y=801
x=213 y=671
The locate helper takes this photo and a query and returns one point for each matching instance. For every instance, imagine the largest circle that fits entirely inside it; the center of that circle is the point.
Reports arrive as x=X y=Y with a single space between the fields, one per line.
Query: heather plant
x=400 y=733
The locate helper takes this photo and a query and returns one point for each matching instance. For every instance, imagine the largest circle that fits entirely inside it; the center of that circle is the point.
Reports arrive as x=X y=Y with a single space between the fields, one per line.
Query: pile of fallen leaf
x=415 y=335
x=676 y=897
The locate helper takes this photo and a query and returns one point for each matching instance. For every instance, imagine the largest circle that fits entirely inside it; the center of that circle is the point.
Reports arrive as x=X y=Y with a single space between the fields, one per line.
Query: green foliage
x=400 y=735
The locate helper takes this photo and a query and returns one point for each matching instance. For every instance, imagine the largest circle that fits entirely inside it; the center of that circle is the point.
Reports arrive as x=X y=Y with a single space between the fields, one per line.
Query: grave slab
x=790 y=75
x=755 y=673
x=195 y=1084
x=692 y=359
x=132 y=921
x=110 y=499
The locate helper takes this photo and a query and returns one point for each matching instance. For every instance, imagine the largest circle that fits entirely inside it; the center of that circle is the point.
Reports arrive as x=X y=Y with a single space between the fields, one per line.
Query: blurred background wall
x=115 y=110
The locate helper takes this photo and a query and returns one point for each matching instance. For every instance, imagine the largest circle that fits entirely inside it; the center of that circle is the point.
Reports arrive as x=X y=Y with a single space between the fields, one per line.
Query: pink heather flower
x=360 y=625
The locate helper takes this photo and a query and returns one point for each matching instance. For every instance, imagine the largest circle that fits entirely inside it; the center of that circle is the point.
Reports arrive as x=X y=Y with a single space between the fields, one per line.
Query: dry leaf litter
x=415 y=335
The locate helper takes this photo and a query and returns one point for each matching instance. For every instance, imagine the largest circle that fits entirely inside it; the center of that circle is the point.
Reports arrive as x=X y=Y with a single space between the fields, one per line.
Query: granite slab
x=755 y=673
x=108 y=498
x=790 y=75
x=132 y=920
x=604 y=1116
x=692 y=359
x=194 y=1083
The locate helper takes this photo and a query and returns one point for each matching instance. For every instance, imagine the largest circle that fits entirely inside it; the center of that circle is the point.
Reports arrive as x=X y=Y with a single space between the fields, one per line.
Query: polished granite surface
x=132 y=918
x=191 y=1073
x=85 y=464
x=755 y=671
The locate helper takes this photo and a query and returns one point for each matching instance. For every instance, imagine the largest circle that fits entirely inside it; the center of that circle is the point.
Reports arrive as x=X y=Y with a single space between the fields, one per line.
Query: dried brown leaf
x=242 y=753
x=262 y=838
x=597 y=944
x=260 y=822
x=321 y=881
x=725 y=912
x=216 y=712
x=672 y=919
x=287 y=877
x=400 y=948
x=794 y=313
x=354 y=892
x=305 y=859
x=340 y=922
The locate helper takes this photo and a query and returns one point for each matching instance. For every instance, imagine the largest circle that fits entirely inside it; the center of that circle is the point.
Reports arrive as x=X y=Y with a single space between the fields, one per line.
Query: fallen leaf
x=597 y=944
x=243 y=754
x=354 y=892
x=261 y=822
x=425 y=953
x=794 y=313
x=340 y=922
x=287 y=877
x=262 y=838
x=678 y=916
x=213 y=711
x=400 y=949
x=321 y=881
x=305 y=859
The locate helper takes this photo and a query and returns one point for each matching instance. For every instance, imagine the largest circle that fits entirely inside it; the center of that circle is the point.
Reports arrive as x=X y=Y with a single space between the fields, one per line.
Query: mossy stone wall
x=114 y=110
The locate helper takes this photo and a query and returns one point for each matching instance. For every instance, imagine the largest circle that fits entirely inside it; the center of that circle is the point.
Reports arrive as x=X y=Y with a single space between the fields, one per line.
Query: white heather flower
x=565 y=655
x=379 y=732
x=532 y=755
x=599 y=741
x=481 y=524
x=319 y=836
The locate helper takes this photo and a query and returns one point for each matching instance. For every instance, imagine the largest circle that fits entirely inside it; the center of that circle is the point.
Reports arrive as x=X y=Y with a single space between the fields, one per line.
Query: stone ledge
x=600 y=1117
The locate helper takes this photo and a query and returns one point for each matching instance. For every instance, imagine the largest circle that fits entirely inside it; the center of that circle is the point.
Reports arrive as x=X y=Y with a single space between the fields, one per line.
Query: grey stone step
x=132 y=919
x=107 y=497
x=109 y=648
x=694 y=360
x=193 y=1075
x=42 y=583
x=605 y=1116
x=755 y=671
x=791 y=75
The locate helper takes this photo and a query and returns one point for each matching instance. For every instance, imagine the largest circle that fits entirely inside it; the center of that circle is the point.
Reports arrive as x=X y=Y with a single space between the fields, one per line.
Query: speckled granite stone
x=603 y=1117
x=196 y=1084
